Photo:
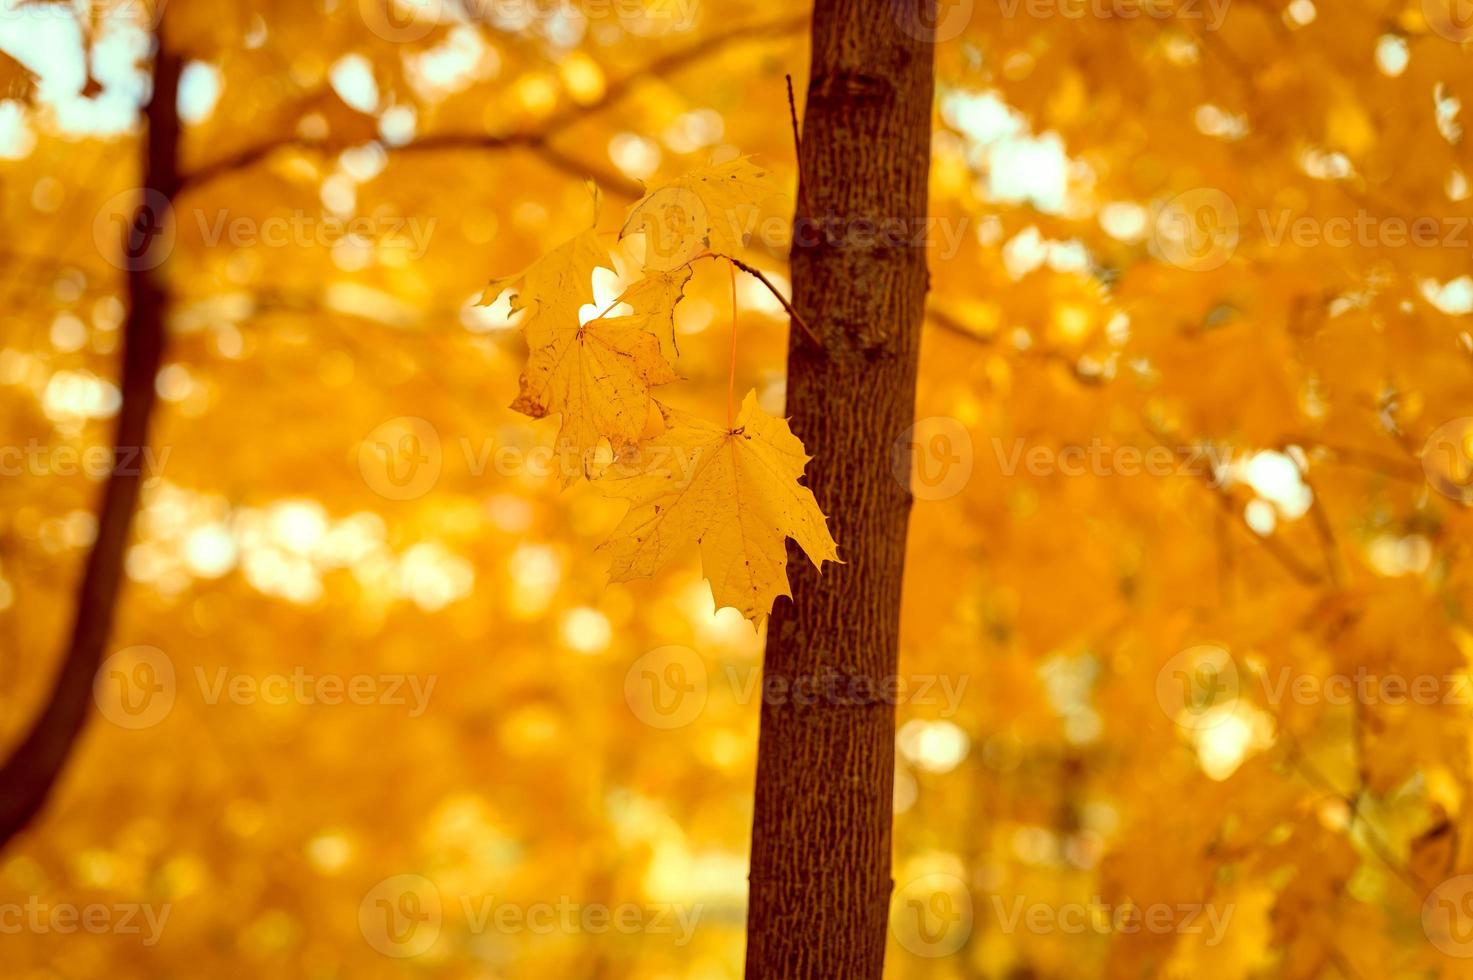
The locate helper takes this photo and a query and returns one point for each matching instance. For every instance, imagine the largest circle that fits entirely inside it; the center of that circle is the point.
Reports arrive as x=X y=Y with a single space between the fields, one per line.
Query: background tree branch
x=31 y=771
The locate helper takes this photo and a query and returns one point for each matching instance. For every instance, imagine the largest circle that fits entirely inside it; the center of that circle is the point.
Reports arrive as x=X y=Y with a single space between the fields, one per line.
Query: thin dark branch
x=807 y=212
x=1334 y=561
x=532 y=142
x=1274 y=546
x=674 y=61
x=793 y=116
x=952 y=325
x=797 y=317
x=1374 y=841
x=243 y=160
x=538 y=142
x=955 y=327
x=29 y=775
x=605 y=178
x=1390 y=466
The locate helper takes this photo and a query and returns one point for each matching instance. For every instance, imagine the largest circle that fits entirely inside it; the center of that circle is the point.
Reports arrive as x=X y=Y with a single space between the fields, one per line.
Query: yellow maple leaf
x=656 y=295
x=598 y=376
x=734 y=492
x=557 y=284
x=706 y=210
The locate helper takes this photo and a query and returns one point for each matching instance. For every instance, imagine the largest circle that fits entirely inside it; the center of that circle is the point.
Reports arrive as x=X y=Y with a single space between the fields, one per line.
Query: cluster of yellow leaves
x=731 y=490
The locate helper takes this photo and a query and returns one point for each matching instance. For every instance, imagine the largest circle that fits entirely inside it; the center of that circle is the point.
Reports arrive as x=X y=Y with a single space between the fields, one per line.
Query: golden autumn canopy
x=493 y=448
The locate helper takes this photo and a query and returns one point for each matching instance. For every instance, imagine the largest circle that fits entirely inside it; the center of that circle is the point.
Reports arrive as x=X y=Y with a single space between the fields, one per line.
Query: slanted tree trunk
x=31 y=771
x=820 y=874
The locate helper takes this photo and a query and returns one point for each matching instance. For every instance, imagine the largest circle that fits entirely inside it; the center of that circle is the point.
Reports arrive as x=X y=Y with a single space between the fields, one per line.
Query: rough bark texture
x=31 y=771
x=820 y=875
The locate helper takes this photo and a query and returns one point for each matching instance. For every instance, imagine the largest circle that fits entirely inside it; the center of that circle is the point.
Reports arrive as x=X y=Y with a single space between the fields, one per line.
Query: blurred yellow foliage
x=1185 y=658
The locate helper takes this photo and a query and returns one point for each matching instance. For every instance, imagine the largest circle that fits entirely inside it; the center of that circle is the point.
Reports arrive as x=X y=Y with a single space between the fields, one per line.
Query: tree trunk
x=820 y=877
x=31 y=771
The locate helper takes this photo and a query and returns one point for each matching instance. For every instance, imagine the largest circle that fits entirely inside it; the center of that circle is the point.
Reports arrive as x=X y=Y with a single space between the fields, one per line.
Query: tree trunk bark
x=820 y=876
x=27 y=778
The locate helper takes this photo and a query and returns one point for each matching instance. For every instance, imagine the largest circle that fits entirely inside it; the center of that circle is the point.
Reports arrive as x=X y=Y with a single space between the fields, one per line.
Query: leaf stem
x=731 y=376
x=758 y=275
x=797 y=318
